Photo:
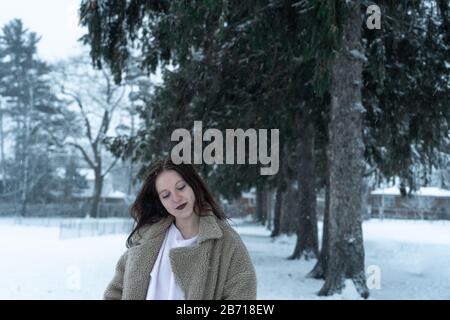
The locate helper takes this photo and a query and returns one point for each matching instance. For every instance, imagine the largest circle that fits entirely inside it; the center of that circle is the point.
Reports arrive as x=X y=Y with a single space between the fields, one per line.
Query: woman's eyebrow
x=175 y=184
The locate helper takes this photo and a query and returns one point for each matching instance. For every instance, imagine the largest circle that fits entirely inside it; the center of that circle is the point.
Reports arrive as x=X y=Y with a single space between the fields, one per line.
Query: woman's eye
x=165 y=196
x=182 y=187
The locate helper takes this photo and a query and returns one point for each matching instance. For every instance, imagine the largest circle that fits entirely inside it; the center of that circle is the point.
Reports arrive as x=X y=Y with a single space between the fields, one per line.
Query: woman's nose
x=176 y=197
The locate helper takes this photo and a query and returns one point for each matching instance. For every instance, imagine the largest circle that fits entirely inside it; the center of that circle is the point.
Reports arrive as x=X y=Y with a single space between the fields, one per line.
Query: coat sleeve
x=115 y=287
x=241 y=278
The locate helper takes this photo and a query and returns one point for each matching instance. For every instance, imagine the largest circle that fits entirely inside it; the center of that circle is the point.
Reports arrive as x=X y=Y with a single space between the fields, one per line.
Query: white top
x=162 y=280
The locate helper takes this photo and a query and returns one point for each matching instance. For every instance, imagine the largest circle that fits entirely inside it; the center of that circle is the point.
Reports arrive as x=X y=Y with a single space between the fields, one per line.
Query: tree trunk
x=277 y=212
x=365 y=212
x=97 y=194
x=68 y=181
x=26 y=157
x=307 y=239
x=2 y=152
x=270 y=209
x=289 y=208
x=259 y=204
x=346 y=252
x=280 y=190
x=24 y=197
x=320 y=269
x=130 y=167
x=290 y=205
x=130 y=178
x=264 y=205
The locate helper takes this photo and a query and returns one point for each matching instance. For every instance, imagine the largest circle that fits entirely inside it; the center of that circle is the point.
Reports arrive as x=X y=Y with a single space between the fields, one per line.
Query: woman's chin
x=184 y=214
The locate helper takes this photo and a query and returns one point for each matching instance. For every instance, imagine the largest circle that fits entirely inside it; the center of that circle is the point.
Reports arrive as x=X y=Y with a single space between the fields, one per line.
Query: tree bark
x=132 y=114
x=68 y=181
x=280 y=191
x=2 y=151
x=264 y=205
x=277 y=212
x=259 y=204
x=346 y=251
x=270 y=208
x=307 y=239
x=289 y=208
x=26 y=163
x=97 y=194
x=320 y=269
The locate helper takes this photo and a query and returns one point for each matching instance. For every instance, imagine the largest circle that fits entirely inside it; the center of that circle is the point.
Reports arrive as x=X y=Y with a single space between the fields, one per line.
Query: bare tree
x=30 y=107
x=2 y=146
x=97 y=98
x=141 y=88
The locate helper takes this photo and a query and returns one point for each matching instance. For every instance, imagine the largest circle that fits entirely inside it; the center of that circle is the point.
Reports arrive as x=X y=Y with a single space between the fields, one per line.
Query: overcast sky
x=56 y=21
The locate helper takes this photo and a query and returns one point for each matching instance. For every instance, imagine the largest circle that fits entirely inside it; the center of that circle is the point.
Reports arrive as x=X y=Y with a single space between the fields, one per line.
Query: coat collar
x=208 y=229
x=188 y=263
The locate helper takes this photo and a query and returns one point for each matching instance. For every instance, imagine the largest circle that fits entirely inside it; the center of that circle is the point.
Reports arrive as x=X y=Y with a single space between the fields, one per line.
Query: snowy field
x=411 y=260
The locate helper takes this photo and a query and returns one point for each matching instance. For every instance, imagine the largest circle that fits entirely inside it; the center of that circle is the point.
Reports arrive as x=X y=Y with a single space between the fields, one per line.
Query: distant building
x=111 y=191
x=426 y=203
x=109 y=194
x=243 y=205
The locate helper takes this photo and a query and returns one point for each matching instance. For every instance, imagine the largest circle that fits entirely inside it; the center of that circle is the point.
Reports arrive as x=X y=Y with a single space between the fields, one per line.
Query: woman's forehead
x=167 y=178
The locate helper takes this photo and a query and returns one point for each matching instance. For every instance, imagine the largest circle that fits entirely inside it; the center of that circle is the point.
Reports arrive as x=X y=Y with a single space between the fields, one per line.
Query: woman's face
x=175 y=194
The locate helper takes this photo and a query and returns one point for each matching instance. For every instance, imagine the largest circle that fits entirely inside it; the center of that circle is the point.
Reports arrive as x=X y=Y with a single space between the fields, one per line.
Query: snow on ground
x=412 y=258
x=423 y=191
x=37 y=265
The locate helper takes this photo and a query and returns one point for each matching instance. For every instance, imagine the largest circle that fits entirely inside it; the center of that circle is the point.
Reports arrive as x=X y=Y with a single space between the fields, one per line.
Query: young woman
x=182 y=246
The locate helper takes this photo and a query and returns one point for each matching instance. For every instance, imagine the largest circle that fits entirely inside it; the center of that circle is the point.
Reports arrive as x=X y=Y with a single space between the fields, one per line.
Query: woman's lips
x=181 y=207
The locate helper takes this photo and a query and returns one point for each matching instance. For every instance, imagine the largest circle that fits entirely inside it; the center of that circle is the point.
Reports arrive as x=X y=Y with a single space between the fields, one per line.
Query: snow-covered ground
x=405 y=260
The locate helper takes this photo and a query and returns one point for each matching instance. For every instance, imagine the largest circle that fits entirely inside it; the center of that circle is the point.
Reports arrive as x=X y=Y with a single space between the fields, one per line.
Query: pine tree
x=32 y=107
x=405 y=73
x=287 y=63
x=227 y=73
x=346 y=251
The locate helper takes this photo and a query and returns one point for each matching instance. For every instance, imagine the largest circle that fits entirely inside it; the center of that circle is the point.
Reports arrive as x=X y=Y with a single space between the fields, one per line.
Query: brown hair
x=147 y=209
